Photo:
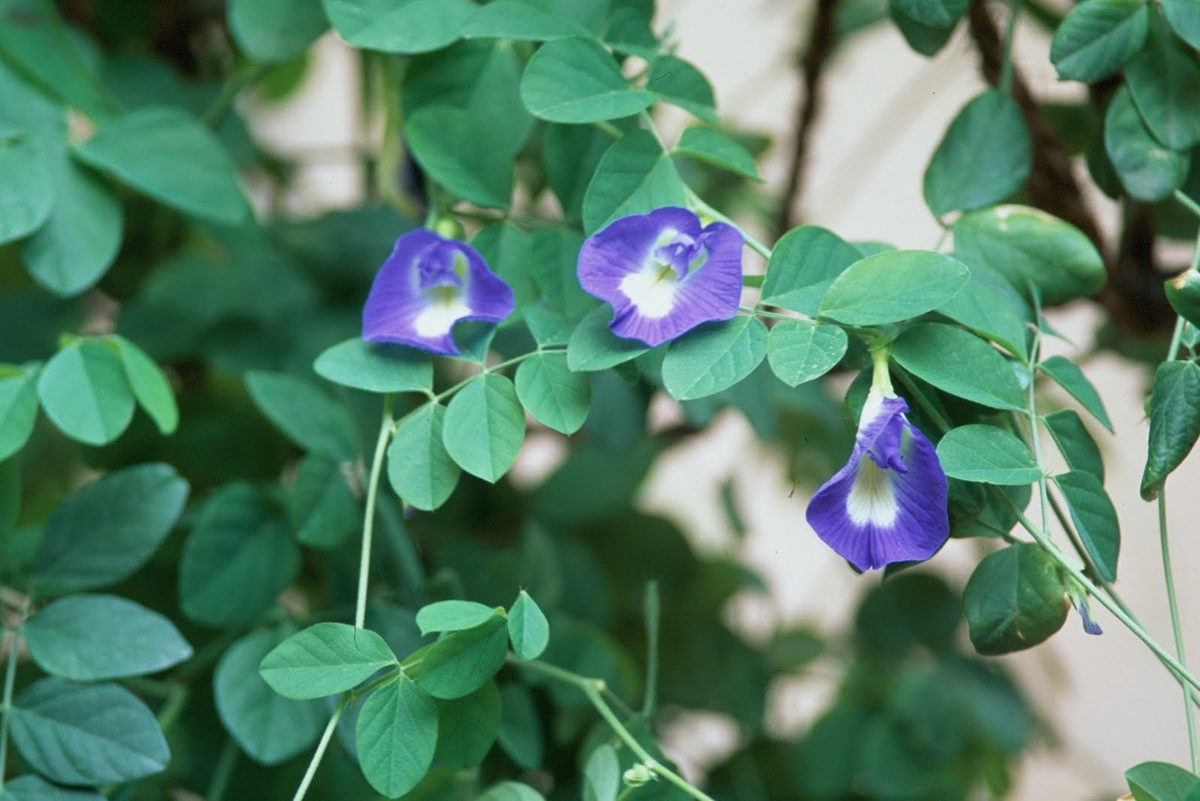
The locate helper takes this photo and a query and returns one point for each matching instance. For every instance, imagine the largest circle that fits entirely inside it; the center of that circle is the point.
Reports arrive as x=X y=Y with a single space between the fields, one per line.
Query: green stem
x=386 y=427
x=10 y=677
x=223 y=771
x=229 y=92
x=1190 y=204
x=439 y=397
x=1006 y=66
x=652 y=610
x=177 y=699
x=391 y=71
x=1034 y=436
x=1168 y=576
x=320 y=752
x=700 y=206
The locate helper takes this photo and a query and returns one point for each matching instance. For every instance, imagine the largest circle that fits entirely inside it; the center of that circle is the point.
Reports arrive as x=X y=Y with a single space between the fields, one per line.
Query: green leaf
x=552 y=394
x=508 y=251
x=18 y=408
x=375 y=366
x=893 y=285
x=594 y=347
x=148 y=383
x=461 y=662
x=1095 y=519
x=799 y=351
x=987 y=455
x=79 y=238
x=1165 y=82
x=237 y=559
x=466 y=158
x=1147 y=170
x=399 y=26
x=1014 y=600
x=1174 y=422
x=1184 y=18
x=511 y=791
x=1160 y=781
x=35 y=788
x=1068 y=376
x=467 y=727
x=96 y=637
x=634 y=176
x=520 y=732
x=275 y=30
x=304 y=414
x=86 y=734
x=983 y=158
x=485 y=426
x=84 y=391
x=570 y=155
x=932 y=13
x=1028 y=246
x=452 y=616
x=960 y=363
x=10 y=498
x=324 y=659
x=992 y=308
x=396 y=734
x=267 y=726
x=555 y=256
x=323 y=509
x=714 y=147
x=602 y=774
x=1075 y=443
x=528 y=628
x=419 y=467
x=576 y=80
x=714 y=357
x=106 y=530
x=925 y=39
x=1098 y=38
x=169 y=155
x=679 y=83
x=532 y=20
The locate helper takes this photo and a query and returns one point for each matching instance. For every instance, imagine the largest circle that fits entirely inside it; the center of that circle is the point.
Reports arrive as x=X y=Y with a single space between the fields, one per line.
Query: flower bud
x=638 y=775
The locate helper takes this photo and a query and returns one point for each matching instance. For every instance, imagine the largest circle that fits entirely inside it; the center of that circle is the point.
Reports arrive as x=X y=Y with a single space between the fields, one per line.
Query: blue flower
x=425 y=287
x=663 y=273
x=888 y=504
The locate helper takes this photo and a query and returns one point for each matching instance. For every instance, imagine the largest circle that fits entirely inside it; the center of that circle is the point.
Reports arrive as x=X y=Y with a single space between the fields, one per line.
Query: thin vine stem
x=315 y=762
x=386 y=427
x=1169 y=579
x=652 y=610
x=10 y=676
x=1006 y=66
x=223 y=771
x=699 y=205
x=515 y=360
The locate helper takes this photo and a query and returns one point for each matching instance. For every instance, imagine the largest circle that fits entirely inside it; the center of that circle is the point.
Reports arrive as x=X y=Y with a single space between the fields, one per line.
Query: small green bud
x=1183 y=292
x=638 y=775
x=448 y=227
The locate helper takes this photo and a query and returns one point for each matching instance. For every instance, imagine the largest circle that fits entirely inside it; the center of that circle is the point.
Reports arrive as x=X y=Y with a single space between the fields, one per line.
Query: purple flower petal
x=427 y=286
x=1089 y=625
x=891 y=505
x=662 y=273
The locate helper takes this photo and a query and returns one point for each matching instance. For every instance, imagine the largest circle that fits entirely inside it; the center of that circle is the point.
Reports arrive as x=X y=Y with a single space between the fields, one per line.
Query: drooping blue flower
x=425 y=287
x=888 y=504
x=663 y=273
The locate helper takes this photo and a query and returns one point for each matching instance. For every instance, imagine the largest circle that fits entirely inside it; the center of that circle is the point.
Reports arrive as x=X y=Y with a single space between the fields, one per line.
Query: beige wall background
x=1107 y=698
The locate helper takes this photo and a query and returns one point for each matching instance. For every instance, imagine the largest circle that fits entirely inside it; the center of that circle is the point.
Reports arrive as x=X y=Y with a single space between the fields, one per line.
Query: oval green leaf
x=375 y=366
x=304 y=414
x=396 y=736
x=1165 y=82
x=485 y=426
x=594 y=347
x=803 y=265
x=26 y=184
x=893 y=285
x=84 y=391
x=324 y=659
x=399 y=26
x=1146 y=169
x=987 y=455
x=714 y=357
x=1095 y=519
x=453 y=615
x=1174 y=423
x=528 y=628
x=1068 y=376
x=634 y=176
x=419 y=467
x=1014 y=600
x=1098 y=38
x=552 y=394
x=576 y=80
x=465 y=158
x=799 y=351
x=960 y=363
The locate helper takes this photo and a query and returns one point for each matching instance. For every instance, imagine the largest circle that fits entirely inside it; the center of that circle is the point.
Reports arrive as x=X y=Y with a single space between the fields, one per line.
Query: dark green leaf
x=399 y=26
x=634 y=176
x=467 y=727
x=958 y=362
x=679 y=83
x=324 y=659
x=1014 y=600
x=96 y=637
x=552 y=394
x=992 y=308
x=533 y=20
x=148 y=383
x=453 y=616
x=1174 y=422
x=469 y=160
x=323 y=509
x=170 y=156
x=375 y=366
x=520 y=732
x=714 y=357
x=555 y=256
x=983 y=158
x=83 y=389
x=1095 y=519
x=106 y=530
x=1068 y=376
x=35 y=788
x=1184 y=18
x=714 y=147
x=18 y=407
x=304 y=414
x=804 y=263
x=799 y=351
x=570 y=154
x=893 y=285
x=527 y=628
x=267 y=726
x=237 y=559
x=86 y=733
x=602 y=774
x=1098 y=38
x=1075 y=443
x=1160 y=781
x=933 y=13
x=988 y=455
x=396 y=735
x=576 y=80
x=485 y=426
x=461 y=662
x=419 y=467
x=925 y=39
x=1147 y=170
x=1165 y=83
x=508 y=251
x=275 y=30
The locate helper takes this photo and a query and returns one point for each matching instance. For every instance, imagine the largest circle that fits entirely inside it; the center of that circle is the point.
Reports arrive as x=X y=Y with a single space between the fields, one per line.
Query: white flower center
x=444 y=310
x=651 y=290
x=871 y=500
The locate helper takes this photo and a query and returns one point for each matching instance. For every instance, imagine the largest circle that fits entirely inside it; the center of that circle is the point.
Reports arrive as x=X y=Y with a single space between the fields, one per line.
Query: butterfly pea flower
x=663 y=273
x=888 y=504
x=425 y=287
x=1078 y=598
